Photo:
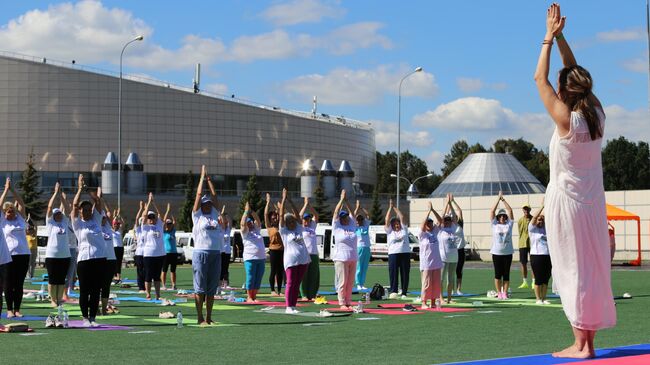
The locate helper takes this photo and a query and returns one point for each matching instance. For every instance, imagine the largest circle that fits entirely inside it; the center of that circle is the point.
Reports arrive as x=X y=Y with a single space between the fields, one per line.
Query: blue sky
x=478 y=58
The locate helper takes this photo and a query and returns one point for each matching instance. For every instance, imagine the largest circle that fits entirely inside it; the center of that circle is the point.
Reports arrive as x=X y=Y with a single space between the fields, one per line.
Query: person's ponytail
x=588 y=111
x=575 y=85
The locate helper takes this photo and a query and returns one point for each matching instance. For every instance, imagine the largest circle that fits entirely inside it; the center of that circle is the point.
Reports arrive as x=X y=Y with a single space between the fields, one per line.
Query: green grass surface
x=511 y=329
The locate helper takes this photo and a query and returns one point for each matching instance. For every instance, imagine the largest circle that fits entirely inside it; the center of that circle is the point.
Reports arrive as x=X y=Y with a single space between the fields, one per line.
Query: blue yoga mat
x=327 y=292
x=25 y=318
x=138 y=299
x=547 y=359
x=39 y=283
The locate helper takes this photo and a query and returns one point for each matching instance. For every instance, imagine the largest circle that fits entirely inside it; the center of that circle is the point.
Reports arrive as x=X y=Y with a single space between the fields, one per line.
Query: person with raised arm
x=276 y=248
x=575 y=196
x=524 y=245
x=138 y=257
x=111 y=259
x=74 y=251
x=540 y=261
x=226 y=250
x=87 y=226
x=206 y=258
x=5 y=258
x=311 y=280
x=502 y=222
x=14 y=228
x=399 y=250
x=296 y=256
x=254 y=254
x=430 y=260
x=171 y=253
x=345 y=254
x=57 y=251
x=363 y=244
x=448 y=246
x=118 y=246
x=457 y=218
x=154 y=247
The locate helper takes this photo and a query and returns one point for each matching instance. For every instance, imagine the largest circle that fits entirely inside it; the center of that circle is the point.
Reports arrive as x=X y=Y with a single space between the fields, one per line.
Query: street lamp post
x=412 y=188
x=119 y=127
x=399 y=127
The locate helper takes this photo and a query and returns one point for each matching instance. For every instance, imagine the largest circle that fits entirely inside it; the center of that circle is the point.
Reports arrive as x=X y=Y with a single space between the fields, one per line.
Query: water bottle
x=60 y=311
x=438 y=304
x=66 y=319
x=367 y=297
x=231 y=296
x=42 y=291
x=179 y=320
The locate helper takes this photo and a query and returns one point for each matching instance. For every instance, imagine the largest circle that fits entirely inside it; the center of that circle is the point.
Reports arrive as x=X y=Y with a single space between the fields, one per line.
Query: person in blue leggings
x=363 y=245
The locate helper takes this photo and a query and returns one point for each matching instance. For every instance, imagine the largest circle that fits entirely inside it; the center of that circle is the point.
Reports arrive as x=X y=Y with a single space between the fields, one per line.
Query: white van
x=186 y=241
x=41 y=240
x=379 y=242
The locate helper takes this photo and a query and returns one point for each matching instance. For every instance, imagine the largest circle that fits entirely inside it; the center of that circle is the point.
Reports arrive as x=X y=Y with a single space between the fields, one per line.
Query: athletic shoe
x=403 y=297
x=324 y=313
x=291 y=310
x=399 y=292
x=86 y=323
x=459 y=293
x=417 y=300
x=546 y=302
x=539 y=302
x=523 y=285
x=392 y=296
x=49 y=322
x=166 y=315
x=492 y=294
x=409 y=308
x=29 y=295
x=94 y=324
x=359 y=287
x=267 y=308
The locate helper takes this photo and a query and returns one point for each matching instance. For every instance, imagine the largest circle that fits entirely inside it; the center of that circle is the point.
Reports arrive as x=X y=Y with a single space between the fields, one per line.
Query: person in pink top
x=576 y=219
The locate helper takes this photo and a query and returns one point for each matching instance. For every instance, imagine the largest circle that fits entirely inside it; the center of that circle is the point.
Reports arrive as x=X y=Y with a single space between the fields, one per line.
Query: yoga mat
x=24 y=318
x=39 y=283
x=327 y=292
x=390 y=312
x=264 y=303
x=609 y=356
x=216 y=307
x=464 y=295
x=188 y=322
x=305 y=314
x=441 y=310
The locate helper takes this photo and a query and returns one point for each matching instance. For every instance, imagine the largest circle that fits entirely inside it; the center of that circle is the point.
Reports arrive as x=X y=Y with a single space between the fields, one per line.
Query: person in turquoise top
x=171 y=254
x=363 y=245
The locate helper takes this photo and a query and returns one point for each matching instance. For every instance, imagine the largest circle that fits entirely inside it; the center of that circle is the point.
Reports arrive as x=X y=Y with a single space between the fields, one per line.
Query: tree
x=376 y=213
x=411 y=167
x=626 y=166
x=31 y=195
x=253 y=197
x=185 y=213
x=320 y=205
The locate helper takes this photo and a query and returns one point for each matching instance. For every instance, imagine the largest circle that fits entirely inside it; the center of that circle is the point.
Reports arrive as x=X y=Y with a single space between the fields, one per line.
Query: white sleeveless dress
x=576 y=225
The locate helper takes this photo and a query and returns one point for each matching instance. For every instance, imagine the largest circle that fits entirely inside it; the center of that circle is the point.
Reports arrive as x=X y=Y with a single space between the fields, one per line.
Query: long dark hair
x=575 y=86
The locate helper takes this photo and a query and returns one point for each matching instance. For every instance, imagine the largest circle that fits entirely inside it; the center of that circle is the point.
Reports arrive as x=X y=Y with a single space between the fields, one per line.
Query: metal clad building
x=68 y=116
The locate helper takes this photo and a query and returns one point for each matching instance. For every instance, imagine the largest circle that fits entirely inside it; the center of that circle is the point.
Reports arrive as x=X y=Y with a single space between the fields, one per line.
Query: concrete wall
x=476 y=211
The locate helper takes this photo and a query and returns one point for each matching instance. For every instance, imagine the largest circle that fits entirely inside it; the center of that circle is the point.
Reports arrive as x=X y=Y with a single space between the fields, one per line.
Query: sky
x=478 y=58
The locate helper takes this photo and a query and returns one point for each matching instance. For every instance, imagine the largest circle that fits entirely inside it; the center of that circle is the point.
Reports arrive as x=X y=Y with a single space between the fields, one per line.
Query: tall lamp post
x=119 y=127
x=399 y=127
x=412 y=189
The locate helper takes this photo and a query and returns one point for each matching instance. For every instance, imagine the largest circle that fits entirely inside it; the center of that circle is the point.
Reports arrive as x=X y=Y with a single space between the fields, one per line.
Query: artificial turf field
x=494 y=330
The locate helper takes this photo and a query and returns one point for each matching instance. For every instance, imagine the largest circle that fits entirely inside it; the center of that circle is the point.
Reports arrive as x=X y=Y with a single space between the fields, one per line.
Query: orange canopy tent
x=617 y=214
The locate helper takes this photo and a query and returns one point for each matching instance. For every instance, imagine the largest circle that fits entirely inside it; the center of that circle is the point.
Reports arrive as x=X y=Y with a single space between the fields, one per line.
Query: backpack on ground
x=377 y=292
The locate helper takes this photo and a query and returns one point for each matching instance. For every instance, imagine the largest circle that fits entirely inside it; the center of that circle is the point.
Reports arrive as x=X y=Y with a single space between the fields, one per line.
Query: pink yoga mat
x=441 y=310
x=627 y=360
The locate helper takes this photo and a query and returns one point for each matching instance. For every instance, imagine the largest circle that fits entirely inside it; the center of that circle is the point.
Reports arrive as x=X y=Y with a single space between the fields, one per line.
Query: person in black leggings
x=457 y=217
x=118 y=245
x=501 y=246
x=13 y=226
x=276 y=249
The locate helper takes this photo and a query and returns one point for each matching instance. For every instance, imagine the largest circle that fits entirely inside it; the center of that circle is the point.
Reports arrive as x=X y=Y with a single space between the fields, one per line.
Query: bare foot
x=53 y=304
x=250 y=300
x=574 y=353
x=200 y=320
x=256 y=300
x=345 y=307
x=10 y=314
x=148 y=297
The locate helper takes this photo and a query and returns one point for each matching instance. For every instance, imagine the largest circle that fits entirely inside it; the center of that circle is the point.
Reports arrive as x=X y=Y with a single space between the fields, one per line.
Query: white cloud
x=301 y=11
x=631 y=124
x=343 y=86
x=89 y=32
x=469 y=85
x=618 y=35
x=386 y=136
x=466 y=113
x=435 y=160
x=636 y=65
x=217 y=88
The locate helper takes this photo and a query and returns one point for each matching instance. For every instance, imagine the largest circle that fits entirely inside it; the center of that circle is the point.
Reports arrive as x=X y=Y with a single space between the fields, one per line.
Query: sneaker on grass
x=523 y=285
x=49 y=322
x=392 y=296
x=86 y=323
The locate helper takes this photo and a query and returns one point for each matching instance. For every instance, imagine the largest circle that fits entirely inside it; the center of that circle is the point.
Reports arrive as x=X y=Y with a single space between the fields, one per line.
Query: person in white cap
x=254 y=254
x=206 y=258
x=154 y=247
x=296 y=255
x=448 y=246
x=57 y=252
x=399 y=250
x=501 y=246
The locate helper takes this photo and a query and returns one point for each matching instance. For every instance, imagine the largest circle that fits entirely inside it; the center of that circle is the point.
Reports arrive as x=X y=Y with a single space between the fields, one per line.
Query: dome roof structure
x=484 y=174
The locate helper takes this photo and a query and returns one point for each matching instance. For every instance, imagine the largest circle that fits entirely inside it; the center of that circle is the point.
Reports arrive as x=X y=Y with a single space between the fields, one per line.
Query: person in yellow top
x=524 y=245
x=32 y=244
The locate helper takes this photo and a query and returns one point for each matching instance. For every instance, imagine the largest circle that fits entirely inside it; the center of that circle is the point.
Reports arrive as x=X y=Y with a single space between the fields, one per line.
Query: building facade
x=68 y=117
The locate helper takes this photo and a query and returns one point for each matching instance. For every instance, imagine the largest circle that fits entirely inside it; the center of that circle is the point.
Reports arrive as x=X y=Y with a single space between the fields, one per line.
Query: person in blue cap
x=345 y=254
x=363 y=245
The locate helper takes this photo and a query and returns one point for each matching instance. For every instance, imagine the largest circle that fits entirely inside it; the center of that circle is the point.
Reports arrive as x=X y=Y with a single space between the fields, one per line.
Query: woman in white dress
x=576 y=220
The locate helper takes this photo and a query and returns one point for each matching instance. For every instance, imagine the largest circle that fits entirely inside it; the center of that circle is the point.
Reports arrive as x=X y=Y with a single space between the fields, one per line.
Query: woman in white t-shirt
x=296 y=256
x=311 y=280
x=502 y=222
x=226 y=249
x=254 y=254
x=13 y=227
x=86 y=222
x=399 y=250
x=118 y=246
x=345 y=254
x=5 y=259
x=540 y=260
x=154 y=246
x=208 y=239
x=430 y=261
x=111 y=258
x=363 y=245
x=139 y=248
x=457 y=218
x=448 y=245
x=57 y=252
x=74 y=252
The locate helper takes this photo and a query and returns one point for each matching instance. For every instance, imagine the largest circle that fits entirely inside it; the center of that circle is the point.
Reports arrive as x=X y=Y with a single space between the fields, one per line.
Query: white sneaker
x=539 y=302
x=392 y=296
x=546 y=302
x=324 y=313
x=49 y=322
x=404 y=297
x=399 y=292
x=57 y=322
x=359 y=287
x=291 y=310
x=363 y=288
x=94 y=324
x=86 y=323
x=459 y=293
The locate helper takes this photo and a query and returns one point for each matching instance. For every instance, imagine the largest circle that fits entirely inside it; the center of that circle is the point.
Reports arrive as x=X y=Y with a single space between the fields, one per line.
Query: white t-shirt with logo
x=57 y=238
x=152 y=234
x=501 y=238
x=253 y=245
x=89 y=237
x=398 y=241
x=226 y=248
x=309 y=235
x=207 y=232
x=538 y=243
x=429 y=251
x=139 y=242
x=295 y=249
x=345 y=240
x=15 y=234
x=448 y=244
